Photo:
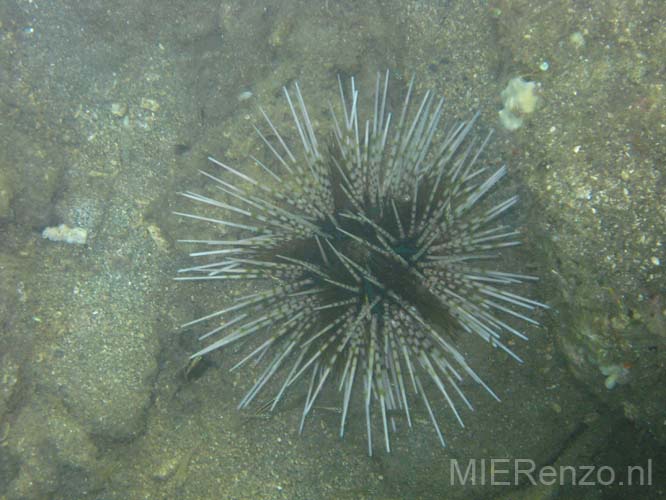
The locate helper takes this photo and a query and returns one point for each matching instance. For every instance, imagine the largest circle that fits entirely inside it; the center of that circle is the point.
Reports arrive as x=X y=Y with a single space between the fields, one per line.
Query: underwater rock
x=519 y=98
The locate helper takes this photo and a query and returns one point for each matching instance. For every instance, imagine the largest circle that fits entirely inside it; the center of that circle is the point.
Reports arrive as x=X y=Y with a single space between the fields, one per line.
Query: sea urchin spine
x=375 y=249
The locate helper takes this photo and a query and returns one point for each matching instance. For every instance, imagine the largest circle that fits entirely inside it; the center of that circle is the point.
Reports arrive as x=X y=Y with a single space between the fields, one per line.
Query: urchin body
x=378 y=250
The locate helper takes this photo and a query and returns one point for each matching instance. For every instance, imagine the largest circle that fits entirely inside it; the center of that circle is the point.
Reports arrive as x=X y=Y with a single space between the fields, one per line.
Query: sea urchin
x=376 y=249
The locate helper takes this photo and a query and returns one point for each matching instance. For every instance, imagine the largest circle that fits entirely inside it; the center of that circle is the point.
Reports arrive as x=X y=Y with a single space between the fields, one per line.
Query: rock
x=119 y=109
x=9 y=376
x=6 y=195
x=66 y=234
x=519 y=98
x=150 y=104
x=105 y=367
x=45 y=441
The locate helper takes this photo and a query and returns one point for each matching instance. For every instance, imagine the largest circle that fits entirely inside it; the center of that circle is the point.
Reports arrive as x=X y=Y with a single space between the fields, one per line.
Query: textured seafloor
x=108 y=108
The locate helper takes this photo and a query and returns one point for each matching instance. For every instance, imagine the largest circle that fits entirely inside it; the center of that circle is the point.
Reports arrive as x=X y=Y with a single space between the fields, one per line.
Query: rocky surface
x=109 y=108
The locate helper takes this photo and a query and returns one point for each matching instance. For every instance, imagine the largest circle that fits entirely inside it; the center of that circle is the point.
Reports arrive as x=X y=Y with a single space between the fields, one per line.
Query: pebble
x=150 y=104
x=156 y=235
x=119 y=109
x=244 y=96
x=166 y=469
x=6 y=195
x=577 y=40
x=66 y=234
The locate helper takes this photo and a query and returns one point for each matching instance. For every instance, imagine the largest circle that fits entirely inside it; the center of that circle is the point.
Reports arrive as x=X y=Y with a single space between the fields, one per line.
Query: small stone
x=615 y=374
x=583 y=193
x=6 y=195
x=577 y=40
x=119 y=109
x=66 y=234
x=150 y=104
x=244 y=96
x=520 y=98
x=156 y=235
x=166 y=469
x=9 y=377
